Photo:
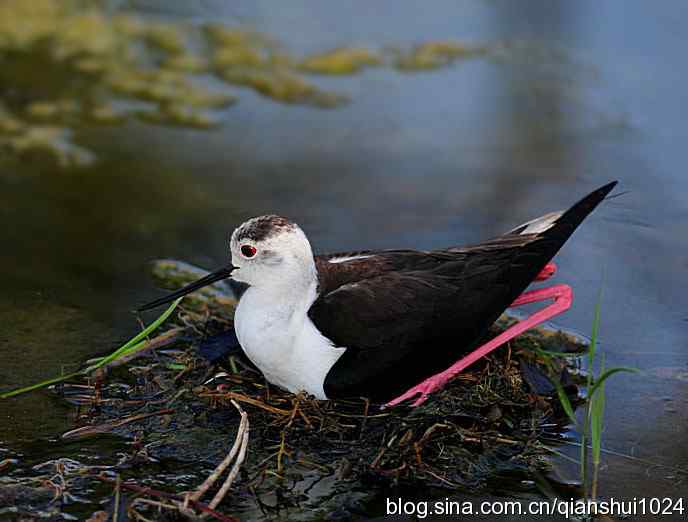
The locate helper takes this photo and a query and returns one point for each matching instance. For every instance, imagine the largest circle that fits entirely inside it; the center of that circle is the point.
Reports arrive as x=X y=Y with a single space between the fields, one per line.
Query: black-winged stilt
x=376 y=323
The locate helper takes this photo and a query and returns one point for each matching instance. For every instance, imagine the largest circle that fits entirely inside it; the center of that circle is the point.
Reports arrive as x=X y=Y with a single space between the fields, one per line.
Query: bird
x=389 y=325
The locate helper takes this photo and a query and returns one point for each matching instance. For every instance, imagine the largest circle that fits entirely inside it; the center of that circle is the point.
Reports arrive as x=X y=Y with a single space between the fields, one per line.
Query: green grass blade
x=608 y=373
x=548 y=353
x=131 y=343
x=565 y=402
x=597 y=417
x=135 y=343
x=592 y=350
x=37 y=386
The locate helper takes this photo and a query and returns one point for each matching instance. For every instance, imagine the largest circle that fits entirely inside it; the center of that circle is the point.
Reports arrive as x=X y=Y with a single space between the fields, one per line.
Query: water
x=586 y=92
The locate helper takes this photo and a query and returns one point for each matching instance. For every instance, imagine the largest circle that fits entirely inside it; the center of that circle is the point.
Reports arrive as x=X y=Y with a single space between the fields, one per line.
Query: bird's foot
x=424 y=389
x=562 y=297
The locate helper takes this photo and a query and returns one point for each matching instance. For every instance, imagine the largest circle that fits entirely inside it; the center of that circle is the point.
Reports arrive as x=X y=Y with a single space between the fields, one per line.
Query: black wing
x=405 y=315
x=400 y=327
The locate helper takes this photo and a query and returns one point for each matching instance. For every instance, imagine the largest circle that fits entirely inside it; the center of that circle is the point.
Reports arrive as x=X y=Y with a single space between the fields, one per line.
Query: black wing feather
x=405 y=315
x=402 y=327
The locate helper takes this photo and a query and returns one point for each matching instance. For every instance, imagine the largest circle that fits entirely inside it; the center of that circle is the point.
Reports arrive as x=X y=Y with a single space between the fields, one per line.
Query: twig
x=161 y=340
x=6 y=463
x=295 y=401
x=156 y=503
x=364 y=422
x=237 y=465
x=501 y=440
x=248 y=400
x=170 y=496
x=132 y=512
x=87 y=431
x=441 y=479
x=118 y=490
x=280 y=453
x=378 y=458
x=212 y=478
x=305 y=419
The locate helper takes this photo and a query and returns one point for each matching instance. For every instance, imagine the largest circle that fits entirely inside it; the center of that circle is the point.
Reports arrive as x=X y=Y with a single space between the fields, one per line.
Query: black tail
x=524 y=262
x=562 y=229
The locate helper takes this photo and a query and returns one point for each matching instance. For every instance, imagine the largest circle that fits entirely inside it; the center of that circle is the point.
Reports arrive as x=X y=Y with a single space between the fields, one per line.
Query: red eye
x=248 y=250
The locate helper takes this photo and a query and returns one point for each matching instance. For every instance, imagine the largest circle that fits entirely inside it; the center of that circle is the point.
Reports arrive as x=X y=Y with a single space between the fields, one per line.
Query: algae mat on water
x=67 y=65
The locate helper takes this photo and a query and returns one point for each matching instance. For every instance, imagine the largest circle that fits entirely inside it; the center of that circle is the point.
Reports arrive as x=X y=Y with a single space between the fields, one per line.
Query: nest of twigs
x=492 y=421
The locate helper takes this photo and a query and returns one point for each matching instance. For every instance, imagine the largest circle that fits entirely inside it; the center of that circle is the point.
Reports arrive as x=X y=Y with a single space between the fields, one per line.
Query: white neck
x=274 y=330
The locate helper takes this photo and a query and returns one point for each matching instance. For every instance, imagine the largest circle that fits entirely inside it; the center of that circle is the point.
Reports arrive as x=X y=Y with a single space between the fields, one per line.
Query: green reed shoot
x=592 y=425
x=132 y=345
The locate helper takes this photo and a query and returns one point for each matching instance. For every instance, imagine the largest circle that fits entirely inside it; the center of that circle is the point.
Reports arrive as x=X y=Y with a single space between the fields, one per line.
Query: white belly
x=287 y=347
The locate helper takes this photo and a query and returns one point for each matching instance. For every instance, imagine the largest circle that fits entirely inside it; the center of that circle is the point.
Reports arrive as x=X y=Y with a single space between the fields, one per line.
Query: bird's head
x=269 y=252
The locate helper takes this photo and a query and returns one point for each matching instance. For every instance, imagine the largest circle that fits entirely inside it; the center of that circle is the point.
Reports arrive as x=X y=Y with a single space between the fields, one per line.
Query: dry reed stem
x=237 y=464
x=222 y=466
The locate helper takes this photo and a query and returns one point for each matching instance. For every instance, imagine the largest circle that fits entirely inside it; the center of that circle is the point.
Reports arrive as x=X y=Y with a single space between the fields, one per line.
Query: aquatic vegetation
x=283 y=86
x=433 y=55
x=249 y=59
x=133 y=345
x=592 y=424
x=340 y=61
x=54 y=142
x=179 y=115
x=487 y=422
x=65 y=65
x=64 y=62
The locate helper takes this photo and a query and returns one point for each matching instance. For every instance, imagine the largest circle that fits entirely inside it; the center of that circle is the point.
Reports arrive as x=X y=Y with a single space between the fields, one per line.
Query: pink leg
x=547 y=272
x=562 y=296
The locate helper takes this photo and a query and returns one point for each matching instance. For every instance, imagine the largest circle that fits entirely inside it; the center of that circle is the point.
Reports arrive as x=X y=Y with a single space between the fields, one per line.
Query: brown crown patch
x=263 y=227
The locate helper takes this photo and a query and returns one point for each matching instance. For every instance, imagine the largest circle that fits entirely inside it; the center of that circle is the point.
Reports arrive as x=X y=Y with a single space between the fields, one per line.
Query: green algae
x=178 y=115
x=134 y=344
x=433 y=55
x=341 y=61
x=52 y=142
x=65 y=65
x=283 y=86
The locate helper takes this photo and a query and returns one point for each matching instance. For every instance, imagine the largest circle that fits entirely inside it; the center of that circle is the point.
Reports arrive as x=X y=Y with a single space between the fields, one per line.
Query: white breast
x=283 y=342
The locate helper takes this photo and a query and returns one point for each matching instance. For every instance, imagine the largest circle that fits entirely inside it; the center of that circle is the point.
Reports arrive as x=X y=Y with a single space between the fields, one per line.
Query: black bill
x=212 y=277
